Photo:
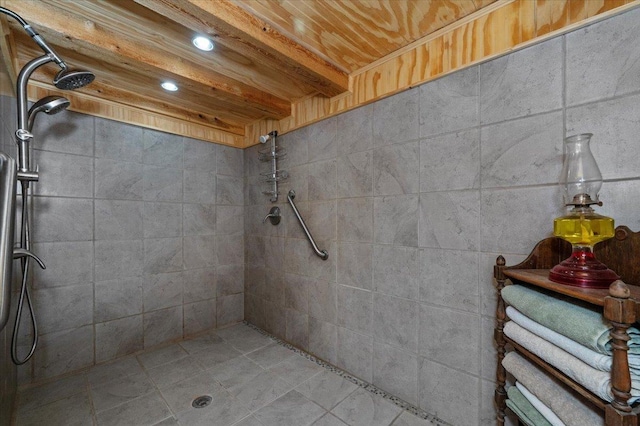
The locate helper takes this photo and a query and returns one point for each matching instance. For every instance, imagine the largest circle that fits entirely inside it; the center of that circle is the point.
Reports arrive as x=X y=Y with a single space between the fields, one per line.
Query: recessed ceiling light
x=170 y=86
x=203 y=43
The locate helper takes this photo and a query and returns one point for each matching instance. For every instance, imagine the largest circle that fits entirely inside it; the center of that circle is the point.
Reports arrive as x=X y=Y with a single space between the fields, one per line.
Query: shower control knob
x=273 y=216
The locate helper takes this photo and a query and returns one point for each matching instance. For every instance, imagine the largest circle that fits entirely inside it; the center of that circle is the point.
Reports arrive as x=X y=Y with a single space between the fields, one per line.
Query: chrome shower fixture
x=65 y=79
x=48 y=105
x=265 y=138
x=68 y=79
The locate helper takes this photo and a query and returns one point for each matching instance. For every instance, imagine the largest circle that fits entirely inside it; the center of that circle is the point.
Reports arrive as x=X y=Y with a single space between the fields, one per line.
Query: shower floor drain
x=201 y=401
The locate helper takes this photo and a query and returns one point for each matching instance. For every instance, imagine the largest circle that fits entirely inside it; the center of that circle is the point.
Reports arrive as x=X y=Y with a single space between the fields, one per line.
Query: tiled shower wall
x=142 y=236
x=8 y=376
x=415 y=195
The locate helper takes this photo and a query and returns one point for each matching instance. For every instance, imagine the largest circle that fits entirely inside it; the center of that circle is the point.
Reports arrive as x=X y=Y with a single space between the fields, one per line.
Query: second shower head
x=48 y=105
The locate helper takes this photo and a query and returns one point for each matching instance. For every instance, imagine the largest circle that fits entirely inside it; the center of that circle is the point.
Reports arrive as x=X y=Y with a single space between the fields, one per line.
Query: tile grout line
x=361 y=383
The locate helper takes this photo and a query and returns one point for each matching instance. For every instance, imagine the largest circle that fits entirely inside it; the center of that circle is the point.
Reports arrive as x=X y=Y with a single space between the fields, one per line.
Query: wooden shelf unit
x=620 y=305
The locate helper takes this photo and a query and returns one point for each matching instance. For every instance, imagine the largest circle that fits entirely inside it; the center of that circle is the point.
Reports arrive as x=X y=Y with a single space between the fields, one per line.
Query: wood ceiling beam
x=8 y=50
x=240 y=31
x=87 y=37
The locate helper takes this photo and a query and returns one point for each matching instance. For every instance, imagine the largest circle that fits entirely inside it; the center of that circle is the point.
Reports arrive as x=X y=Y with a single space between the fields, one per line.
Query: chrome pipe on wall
x=7 y=220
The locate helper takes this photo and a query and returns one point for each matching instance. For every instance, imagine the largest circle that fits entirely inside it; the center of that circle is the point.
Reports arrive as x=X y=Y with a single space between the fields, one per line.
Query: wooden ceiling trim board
x=8 y=50
x=76 y=33
x=368 y=86
x=86 y=104
x=232 y=26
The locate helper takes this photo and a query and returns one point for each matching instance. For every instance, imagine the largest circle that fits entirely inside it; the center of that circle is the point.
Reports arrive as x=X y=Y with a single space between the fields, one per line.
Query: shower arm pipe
x=23 y=135
x=321 y=253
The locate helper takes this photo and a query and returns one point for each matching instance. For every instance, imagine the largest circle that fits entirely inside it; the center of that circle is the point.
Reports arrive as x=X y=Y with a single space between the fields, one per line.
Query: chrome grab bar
x=7 y=216
x=321 y=253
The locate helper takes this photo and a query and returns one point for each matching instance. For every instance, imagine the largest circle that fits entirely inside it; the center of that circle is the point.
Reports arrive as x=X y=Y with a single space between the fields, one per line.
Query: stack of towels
x=572 y=338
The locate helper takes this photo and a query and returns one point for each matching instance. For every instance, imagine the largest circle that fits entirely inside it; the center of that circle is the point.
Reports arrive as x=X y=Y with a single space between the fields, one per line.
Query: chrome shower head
x=68 y=79
x=48 y=105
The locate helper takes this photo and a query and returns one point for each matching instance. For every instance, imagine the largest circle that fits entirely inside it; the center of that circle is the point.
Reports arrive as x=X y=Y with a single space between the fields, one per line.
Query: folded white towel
x=538 y=405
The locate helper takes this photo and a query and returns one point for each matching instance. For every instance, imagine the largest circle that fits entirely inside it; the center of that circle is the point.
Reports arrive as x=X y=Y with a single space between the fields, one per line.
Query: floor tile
x=201 y=343
x=408 y=419
x=235 y=372
x=121 y=390
x=248 y=421
x=250 y=343
x=147 y=410
x=296 y=370
x=261 y=390
x=40 y=395
x=363 y=408
x=224 y=410
x=329 y=420
x=291 y=409
x=236 y=331
x=218 y=353
x=174 y=371
x=71 y=411
x=180 y=395
x=327 y=389
x=270 y=355
x=171 y=421
x=123 y=367
x=161 y=356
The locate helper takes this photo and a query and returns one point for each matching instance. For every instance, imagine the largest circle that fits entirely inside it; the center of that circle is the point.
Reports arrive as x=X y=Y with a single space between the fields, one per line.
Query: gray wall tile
x=62 y=219
x=355 y=175
x=322 y=180
x=67 y=263
x=323 y=142
x=162 y=220
x=199 y=219
x=355 y=309
x=117 y=180
x=522 y=83
x=522 y=152
x=118 y=259
x=117 y=298
x=162 y=149
x=355 y=265
x=450 y=220
x=603 y=59
x=118 y=220
x=118 y=338
x=199 y=155
x=449 y=104
x=438 y=173
x=199 y=316
x=355 y=353
x=396 y=371
x=615 y=127
x=75 y=301
x=118 y=141
x=438 y=384
x=355 y=219
x=69 y=133
x=64 y=351
x=162 y=291
x=395 y=220
x=395 y=322
x=161 y=184
x=200 y=251
x=396 y=169
x=395 y=119
x=162 y=326
x=230 y=161
x=199 y=187
x=323 y=339
x=162 y=255
x=229 y=309
x=460 y=329
x=396 y=270
x=229 y=190
x=63 y=175
x=201 y=284
x=355 y=130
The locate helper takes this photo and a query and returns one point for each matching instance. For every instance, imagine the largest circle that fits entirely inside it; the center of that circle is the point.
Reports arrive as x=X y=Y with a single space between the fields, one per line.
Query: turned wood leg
x=500 y=395
x=620 y=310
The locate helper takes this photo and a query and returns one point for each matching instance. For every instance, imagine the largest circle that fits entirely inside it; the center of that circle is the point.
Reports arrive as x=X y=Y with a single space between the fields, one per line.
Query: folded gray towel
x=571 y=410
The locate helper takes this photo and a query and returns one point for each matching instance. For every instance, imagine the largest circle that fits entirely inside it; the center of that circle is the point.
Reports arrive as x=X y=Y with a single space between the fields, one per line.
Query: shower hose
x=25 y=243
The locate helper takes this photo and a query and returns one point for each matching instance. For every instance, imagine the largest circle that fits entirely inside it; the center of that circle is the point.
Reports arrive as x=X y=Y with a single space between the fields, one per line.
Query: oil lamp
x=582 y=226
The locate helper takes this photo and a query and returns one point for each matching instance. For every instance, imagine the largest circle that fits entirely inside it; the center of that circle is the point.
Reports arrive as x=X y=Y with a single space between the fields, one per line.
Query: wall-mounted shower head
x=264 y=138
x=48 y=105
x=68 y=79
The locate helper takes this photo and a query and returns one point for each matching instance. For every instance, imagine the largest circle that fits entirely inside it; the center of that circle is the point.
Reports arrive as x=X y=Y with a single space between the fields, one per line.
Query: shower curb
x=359 y=382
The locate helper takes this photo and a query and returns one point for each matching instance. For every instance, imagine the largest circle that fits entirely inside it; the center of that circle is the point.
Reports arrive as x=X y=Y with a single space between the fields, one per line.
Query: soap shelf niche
x=271 y=155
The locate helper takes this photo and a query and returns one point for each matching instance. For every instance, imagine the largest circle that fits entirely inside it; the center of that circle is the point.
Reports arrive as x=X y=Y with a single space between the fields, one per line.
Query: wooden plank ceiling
x=273 y=61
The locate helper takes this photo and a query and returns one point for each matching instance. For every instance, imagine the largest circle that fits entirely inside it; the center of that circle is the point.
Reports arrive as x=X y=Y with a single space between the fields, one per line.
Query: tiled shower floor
x=252 y=379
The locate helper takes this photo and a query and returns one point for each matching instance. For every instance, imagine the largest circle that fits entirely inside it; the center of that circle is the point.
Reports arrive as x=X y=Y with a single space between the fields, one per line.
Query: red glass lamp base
x=582 y=269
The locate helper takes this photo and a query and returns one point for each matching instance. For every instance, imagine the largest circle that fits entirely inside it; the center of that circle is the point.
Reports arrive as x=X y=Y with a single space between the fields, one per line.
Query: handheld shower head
x=48 y=105
x=68 y=79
